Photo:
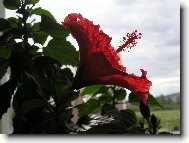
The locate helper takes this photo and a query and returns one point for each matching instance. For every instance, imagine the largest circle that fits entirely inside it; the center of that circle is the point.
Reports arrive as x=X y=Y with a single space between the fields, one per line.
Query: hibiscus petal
x=99 y=62
x=91 y=39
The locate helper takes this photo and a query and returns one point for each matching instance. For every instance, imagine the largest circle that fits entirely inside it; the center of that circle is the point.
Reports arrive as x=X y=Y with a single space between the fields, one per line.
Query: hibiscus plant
x=43 y=89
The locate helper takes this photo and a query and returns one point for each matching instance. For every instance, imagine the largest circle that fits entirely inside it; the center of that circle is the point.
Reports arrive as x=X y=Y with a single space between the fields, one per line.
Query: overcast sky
x=158 y=51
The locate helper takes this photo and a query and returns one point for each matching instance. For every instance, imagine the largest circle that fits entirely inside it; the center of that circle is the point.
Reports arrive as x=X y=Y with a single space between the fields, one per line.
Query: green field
x=170 y=119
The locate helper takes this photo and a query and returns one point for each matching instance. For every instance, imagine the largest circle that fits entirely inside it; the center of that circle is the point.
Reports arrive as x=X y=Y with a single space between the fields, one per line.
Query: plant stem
x=24 y=20
x=114 y=98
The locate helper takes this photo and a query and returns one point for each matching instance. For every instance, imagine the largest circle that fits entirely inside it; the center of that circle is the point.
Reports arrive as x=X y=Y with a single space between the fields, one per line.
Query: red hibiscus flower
x=99 y=62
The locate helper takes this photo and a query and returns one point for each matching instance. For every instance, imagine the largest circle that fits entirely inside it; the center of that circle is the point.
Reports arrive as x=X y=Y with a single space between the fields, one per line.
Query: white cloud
x=165 y=85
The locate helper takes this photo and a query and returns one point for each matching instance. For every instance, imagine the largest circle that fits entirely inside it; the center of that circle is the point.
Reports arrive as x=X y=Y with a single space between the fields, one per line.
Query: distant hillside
x=170 y=101
x=174 y=94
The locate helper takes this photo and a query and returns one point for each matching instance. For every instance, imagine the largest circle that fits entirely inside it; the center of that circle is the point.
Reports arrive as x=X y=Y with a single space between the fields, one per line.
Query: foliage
x=40 y=82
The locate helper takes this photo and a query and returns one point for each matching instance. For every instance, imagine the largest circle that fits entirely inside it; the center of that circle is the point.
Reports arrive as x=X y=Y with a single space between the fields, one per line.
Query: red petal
x=91 y=39
x=99 y=62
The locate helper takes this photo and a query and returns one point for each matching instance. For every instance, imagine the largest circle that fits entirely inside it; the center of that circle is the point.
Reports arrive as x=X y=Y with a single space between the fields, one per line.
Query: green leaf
x=105 y=99
x=43 y=87
x=109 y=109
x=154 y=123
x=10 y=35
x=40 y=37
x=65 y=95
x=6 y=37
x=36 y=27
x=134 y=99
x=33 y=50
x=62 y=51
x=12 y=4
x=90 y=107
x=128 y=117
x=31 y=1
x=43 y=13
x=66 y=76
x=90 y=90
x=4 y=53
x=4 y=24
x=120 y=94
x=32 y=104
x=37 y=121
x=14 y=22
x=48 y=68
x=152 y=101
x=52 y=28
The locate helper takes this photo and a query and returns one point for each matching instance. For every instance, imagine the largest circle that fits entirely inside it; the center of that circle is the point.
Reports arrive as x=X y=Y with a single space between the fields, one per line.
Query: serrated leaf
x=128 y=117
x=43 y=13
x=4 y=24
x=62 y=51
x=52 y=28
x=90 y=107
x=31 y=1
x=40 y=37
x=14 y=22
x=10 y=35
x=43 y=87
x=36 y=27
x=12 y=4
x=6 y=37
x=30 y=105
x=120 y=94
x=4 y=53
x=134 y=99
x=90 y=90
